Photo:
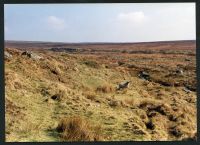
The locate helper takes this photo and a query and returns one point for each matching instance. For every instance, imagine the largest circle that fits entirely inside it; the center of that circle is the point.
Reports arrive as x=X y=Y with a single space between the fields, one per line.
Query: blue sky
x=100 y=22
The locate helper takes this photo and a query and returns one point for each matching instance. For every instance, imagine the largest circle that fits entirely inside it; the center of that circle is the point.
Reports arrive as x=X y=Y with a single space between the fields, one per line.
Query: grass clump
x=91 y=63
x=130 y=102
x=105 y=89
x=78 y=129
x=90 y=95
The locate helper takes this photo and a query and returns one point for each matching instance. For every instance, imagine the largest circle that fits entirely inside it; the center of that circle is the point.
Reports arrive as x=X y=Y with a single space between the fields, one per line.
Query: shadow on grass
x=53 y=134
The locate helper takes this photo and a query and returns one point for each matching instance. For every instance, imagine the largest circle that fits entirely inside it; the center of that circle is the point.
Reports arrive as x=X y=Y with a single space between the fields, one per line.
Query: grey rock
x=123 y=85
x=144 y=75
x=186 y=90
x=179 y=71
x=187 y=59
x=7 y=55
x=31 y=55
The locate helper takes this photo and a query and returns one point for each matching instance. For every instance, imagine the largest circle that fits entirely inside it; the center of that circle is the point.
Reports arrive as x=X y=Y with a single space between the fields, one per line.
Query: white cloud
x=56 y=23
x=155 y=24
x=132 y=17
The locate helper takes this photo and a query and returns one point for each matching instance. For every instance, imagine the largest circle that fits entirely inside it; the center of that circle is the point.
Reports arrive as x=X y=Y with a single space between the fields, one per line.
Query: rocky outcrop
x=31 y=55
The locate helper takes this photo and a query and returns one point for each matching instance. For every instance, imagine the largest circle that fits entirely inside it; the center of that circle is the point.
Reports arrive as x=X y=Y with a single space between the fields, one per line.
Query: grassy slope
x=31 y=114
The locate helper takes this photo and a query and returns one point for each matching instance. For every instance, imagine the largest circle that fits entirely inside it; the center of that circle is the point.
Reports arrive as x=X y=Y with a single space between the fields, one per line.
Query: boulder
x=7 y=55
x=144 y=75
x=31 y=55
x=35 y=56
x=179 y=71
x=123 y=85
x=186 y=90
x=27 y=53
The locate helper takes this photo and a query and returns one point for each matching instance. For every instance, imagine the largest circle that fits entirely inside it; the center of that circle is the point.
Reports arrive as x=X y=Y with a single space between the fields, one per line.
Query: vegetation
x=73 y=97
x=78 y=129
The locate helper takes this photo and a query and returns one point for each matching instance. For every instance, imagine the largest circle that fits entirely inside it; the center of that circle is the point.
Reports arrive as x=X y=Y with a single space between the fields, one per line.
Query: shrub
x=91 y=63
x=78 y=129
x=124 y=51
x=121 y=63
x=105 y=89
x=90 y=95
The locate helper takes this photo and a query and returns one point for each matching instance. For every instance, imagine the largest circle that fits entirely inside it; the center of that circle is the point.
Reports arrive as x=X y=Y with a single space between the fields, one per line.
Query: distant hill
x=180 y=45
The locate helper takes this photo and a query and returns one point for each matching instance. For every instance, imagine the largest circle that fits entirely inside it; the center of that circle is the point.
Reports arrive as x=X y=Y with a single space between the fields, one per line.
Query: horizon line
x=98 y=42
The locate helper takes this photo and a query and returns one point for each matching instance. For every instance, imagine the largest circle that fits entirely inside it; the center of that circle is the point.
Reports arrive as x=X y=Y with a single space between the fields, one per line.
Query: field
x=72 y=92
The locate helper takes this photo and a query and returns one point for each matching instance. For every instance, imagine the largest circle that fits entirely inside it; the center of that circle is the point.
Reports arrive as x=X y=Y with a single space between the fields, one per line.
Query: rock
x=186 y=90
x=123 y=85
x=179 y=71
x=187 y=59
x=35 y=56
x=27 y=53
x=144 y=75
x=190 y=88
x=7 y=55
x=75 y=69
x=56 y=97
x=31 y=55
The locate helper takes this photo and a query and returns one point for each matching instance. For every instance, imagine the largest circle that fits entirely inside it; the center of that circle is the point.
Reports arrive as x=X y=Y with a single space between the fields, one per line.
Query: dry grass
x=78 y=129
x=58 y=96
x=91 y=63
x=105 y=89
x=130 y=102
x=29 y=83
x=90 y=95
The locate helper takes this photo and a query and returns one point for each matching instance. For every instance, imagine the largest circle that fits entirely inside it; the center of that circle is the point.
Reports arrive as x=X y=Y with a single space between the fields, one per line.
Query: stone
x=179 y=71
x=144 y=75
x=187 y=59
x=7 y=55
x=31 y=55
x=186 y=90
x=56 y=97
x=123 y=85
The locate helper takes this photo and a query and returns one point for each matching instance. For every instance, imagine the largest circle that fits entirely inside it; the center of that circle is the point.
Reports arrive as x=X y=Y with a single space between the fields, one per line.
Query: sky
x=134 y=22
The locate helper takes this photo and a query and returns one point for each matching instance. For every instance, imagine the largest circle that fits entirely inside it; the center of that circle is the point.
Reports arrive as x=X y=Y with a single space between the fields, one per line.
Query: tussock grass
x=41 y=94
x=78 y=129
x=105 y=89
x=90 y=95
x=91 y=63
x=130 y=102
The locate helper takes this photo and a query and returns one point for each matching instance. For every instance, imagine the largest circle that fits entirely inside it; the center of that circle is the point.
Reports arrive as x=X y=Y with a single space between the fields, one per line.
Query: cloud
x=56 y=23
x=132 y=17
x=155 y=24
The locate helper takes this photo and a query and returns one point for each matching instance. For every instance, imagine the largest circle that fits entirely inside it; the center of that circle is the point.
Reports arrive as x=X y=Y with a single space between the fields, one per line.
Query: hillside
x=59 y=96
x=35 y=45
